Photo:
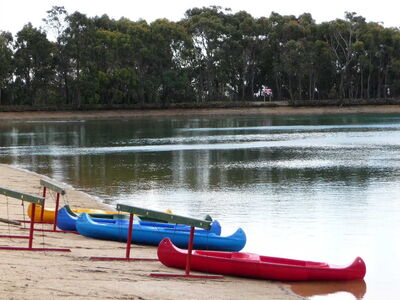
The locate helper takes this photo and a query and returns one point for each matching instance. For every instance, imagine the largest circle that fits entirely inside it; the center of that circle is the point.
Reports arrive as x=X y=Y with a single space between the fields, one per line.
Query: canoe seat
x=245 y=256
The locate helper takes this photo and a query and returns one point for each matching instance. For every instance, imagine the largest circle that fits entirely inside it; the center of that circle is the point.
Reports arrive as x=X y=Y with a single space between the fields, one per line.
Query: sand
x=54 y=275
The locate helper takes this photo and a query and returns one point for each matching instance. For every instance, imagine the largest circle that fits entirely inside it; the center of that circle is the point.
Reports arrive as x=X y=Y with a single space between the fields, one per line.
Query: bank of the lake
x=250 y=111
x=54 y=275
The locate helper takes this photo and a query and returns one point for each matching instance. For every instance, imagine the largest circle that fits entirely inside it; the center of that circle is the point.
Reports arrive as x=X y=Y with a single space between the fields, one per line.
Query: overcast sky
x=15 y=13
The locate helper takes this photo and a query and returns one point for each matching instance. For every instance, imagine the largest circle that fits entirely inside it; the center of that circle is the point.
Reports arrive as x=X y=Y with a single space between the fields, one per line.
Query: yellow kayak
x=49 y=213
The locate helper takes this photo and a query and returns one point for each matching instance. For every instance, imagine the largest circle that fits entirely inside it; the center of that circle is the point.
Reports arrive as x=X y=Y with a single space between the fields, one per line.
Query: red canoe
x=257 y=266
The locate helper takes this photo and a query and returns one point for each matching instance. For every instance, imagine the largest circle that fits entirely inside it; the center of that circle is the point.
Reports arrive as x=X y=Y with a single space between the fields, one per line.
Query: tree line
x=210 y=55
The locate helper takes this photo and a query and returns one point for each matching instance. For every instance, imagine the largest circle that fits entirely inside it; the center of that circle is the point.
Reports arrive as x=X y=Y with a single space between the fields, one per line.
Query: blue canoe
x=66 y=220
x=150 y=235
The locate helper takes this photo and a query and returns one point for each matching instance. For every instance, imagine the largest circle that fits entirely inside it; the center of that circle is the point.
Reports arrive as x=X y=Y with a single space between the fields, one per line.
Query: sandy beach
x=36 y=275
x=273 y=111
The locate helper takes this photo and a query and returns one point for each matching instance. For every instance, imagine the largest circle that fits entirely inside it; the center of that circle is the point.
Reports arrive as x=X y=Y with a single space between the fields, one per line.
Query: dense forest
x=210 y=55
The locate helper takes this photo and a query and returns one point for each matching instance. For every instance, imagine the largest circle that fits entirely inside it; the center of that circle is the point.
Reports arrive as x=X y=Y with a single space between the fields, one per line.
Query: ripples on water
x=315 y=188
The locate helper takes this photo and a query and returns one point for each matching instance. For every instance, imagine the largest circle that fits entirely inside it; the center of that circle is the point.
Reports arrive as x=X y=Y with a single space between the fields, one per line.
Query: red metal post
x=56 y=212
x=190 y=248
x=44 y=200
x=188 y=264
x=129 y=241
x=32 y=226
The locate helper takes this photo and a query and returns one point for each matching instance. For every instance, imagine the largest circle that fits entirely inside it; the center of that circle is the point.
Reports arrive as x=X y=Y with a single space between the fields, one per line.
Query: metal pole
x=190 y=247
x=32 y=226
x=44 y=200
x=128 y=242
x=56 y=211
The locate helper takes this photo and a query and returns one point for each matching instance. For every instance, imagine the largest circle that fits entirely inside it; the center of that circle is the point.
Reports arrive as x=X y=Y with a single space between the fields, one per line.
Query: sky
x=14 y=14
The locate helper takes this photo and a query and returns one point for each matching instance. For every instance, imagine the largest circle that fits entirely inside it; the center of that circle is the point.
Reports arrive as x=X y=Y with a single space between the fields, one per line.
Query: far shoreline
x=199 y=112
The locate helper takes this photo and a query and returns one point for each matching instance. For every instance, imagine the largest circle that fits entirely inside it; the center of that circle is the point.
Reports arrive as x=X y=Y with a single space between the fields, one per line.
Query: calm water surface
x=323 y=188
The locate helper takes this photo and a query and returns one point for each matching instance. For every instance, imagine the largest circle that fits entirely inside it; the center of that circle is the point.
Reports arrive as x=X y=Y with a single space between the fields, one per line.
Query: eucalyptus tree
x=394 y=67
x=116 y=77
x=56 y=24
x=78 y=38
x=34 y=71
x=288 y=39
x=169 y=61
x=343 y=37
x=6 y=64
x=324 y=76
x=264 y=75
x=281 y=33
x=307 y=83
x=240 y=55
x=206 y=27
x=387 y=55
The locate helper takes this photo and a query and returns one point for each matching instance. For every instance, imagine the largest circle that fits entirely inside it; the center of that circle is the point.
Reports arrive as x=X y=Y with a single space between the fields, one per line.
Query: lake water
x=324 y=188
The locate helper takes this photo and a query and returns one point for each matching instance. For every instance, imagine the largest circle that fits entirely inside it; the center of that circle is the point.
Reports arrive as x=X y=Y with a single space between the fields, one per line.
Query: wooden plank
x=52 y=186
x=10 y=221
x=21 y=196
x=172 y=218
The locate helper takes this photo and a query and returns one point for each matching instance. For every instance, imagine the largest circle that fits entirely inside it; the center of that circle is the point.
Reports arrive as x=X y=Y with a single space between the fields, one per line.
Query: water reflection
x=356 y=288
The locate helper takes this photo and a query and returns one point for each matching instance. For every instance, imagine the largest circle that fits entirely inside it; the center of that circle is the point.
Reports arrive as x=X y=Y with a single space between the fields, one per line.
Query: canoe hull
x=256 y=266
x=149 y=235
x=67 y=219
x=49 y=213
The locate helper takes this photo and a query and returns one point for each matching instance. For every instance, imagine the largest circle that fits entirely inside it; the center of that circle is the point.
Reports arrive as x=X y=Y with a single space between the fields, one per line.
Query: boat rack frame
x=35 y=201
x=167 y=217
x=48 y=185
